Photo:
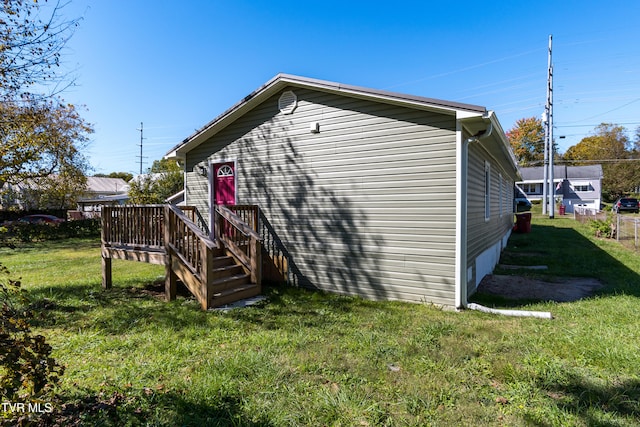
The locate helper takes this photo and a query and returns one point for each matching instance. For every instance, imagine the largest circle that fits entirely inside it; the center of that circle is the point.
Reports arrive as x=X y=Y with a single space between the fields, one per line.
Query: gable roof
x=282 y=81
x=98 y=184
x=563 y=172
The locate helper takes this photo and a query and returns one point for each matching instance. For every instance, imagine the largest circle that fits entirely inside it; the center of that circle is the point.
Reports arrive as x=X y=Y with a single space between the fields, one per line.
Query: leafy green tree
x=122 y=175
x=527 y=141
x=39 y=134
x=41 y=146
x=164 y=179
x=610 y=145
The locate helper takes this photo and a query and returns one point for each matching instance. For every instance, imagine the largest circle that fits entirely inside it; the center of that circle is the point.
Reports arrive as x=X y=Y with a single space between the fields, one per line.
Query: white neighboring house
x=98 y=191
x=575 y=186
x=103 y=191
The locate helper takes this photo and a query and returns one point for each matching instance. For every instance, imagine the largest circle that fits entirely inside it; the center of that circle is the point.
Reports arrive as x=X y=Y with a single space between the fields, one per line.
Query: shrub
x=27 y=370
x=601 y=228
x=25 y=232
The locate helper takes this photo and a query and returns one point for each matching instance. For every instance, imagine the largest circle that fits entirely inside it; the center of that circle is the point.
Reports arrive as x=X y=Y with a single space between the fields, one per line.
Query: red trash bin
x=523 y=222
x=562 y=209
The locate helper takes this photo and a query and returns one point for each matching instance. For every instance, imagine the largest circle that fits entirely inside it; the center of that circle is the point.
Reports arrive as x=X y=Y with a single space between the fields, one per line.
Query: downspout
x=462 y=163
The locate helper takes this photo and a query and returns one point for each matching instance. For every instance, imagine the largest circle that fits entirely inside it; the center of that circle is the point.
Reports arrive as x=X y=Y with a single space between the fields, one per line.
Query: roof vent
x=287 y=102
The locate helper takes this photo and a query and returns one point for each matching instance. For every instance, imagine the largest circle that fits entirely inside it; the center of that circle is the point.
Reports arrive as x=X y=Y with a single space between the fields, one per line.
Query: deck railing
x=239 y=238
x=138 y=226
x=141 y=225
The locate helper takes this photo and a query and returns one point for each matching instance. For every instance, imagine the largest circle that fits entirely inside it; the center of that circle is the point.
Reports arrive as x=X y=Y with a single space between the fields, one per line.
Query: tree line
x=608 y=144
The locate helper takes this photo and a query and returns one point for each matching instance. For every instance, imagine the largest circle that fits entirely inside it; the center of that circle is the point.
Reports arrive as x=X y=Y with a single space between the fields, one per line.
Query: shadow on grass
x=595 y=404
x=150 y=407
x=567 y=253
x=127 y=308
x=117 y=310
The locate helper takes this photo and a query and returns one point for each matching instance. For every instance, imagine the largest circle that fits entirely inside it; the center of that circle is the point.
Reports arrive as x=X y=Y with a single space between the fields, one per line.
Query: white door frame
x=211 y=188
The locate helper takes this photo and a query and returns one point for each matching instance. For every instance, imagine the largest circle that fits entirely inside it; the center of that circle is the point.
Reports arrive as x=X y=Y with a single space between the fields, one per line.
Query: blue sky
x=176 y=65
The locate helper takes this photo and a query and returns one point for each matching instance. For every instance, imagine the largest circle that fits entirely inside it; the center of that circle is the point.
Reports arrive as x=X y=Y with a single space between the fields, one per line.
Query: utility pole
x=141 y=139
x=552 y=187
x=548 y=189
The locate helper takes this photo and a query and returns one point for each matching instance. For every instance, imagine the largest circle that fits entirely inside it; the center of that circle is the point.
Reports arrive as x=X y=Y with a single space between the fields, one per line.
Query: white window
x=487 y=191
x=501 y=193
x=582 y=188
x=225 y=170
x=531 y=188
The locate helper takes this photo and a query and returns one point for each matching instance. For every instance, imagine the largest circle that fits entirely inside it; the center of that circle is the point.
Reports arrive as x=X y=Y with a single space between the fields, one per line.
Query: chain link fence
x=584 y=214
x=627 y=231
x=624 y=228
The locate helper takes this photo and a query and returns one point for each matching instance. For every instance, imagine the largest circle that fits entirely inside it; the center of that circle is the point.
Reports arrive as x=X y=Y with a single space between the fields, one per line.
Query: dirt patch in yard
x=563 y=289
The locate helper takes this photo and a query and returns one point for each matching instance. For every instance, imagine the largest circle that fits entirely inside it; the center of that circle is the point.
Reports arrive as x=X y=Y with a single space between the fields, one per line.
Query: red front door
x=224 y=183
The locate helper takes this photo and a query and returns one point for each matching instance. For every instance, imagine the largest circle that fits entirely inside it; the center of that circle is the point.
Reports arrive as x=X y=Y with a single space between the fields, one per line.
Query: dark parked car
x=626 y=204
x=41 y=219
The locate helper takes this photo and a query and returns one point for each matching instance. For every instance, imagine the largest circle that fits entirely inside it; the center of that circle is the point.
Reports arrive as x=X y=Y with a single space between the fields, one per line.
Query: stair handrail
x=251 y=258
x=188 y=242
x=192 y=226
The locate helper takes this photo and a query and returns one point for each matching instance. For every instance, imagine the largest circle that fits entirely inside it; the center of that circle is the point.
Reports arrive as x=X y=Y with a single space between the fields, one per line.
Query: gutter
x=462 y=178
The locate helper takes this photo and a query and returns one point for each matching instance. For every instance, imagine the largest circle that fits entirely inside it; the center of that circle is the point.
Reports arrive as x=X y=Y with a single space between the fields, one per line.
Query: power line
x=606 y=112
x=594 y=125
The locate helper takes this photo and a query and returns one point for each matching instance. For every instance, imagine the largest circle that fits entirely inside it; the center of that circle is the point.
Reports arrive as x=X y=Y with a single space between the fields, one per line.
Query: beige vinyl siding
x=483 y=234
x=364 y=207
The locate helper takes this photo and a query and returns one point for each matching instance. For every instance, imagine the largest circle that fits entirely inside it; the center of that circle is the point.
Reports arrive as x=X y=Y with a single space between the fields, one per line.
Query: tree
x=41 y=139
x=610 y=145
x=527 y=141
x=608 y=142
x=162 y=180
x=32 y=37
x=123 y=175
x=39 y=134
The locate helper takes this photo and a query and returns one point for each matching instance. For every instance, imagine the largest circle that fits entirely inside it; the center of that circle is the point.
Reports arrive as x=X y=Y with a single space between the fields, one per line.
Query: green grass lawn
x=305 y=358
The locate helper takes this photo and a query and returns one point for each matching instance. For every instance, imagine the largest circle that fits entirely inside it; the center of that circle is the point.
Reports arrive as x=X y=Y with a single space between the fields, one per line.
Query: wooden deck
x=216 y=272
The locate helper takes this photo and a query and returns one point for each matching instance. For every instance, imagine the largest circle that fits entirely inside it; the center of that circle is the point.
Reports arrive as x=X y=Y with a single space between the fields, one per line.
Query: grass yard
x=311 y=359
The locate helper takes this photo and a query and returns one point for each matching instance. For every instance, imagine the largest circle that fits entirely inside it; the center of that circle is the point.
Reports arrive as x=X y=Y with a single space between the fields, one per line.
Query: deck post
x=170 y=280
x=205 y=279
x=106 y=271
x=256 y=261
x=105 y=236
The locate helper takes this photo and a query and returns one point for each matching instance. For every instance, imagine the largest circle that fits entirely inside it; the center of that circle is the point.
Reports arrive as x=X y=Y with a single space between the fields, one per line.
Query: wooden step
x=225 y=271
x=229 y=296
x=221 y=261
x=230 y=282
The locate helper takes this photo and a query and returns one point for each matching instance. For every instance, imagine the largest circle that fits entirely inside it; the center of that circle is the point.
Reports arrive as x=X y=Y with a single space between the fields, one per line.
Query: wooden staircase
x=217 y=272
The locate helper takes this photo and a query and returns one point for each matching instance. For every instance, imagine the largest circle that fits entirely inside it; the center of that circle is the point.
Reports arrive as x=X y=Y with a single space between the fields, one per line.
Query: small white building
x=575 y=186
